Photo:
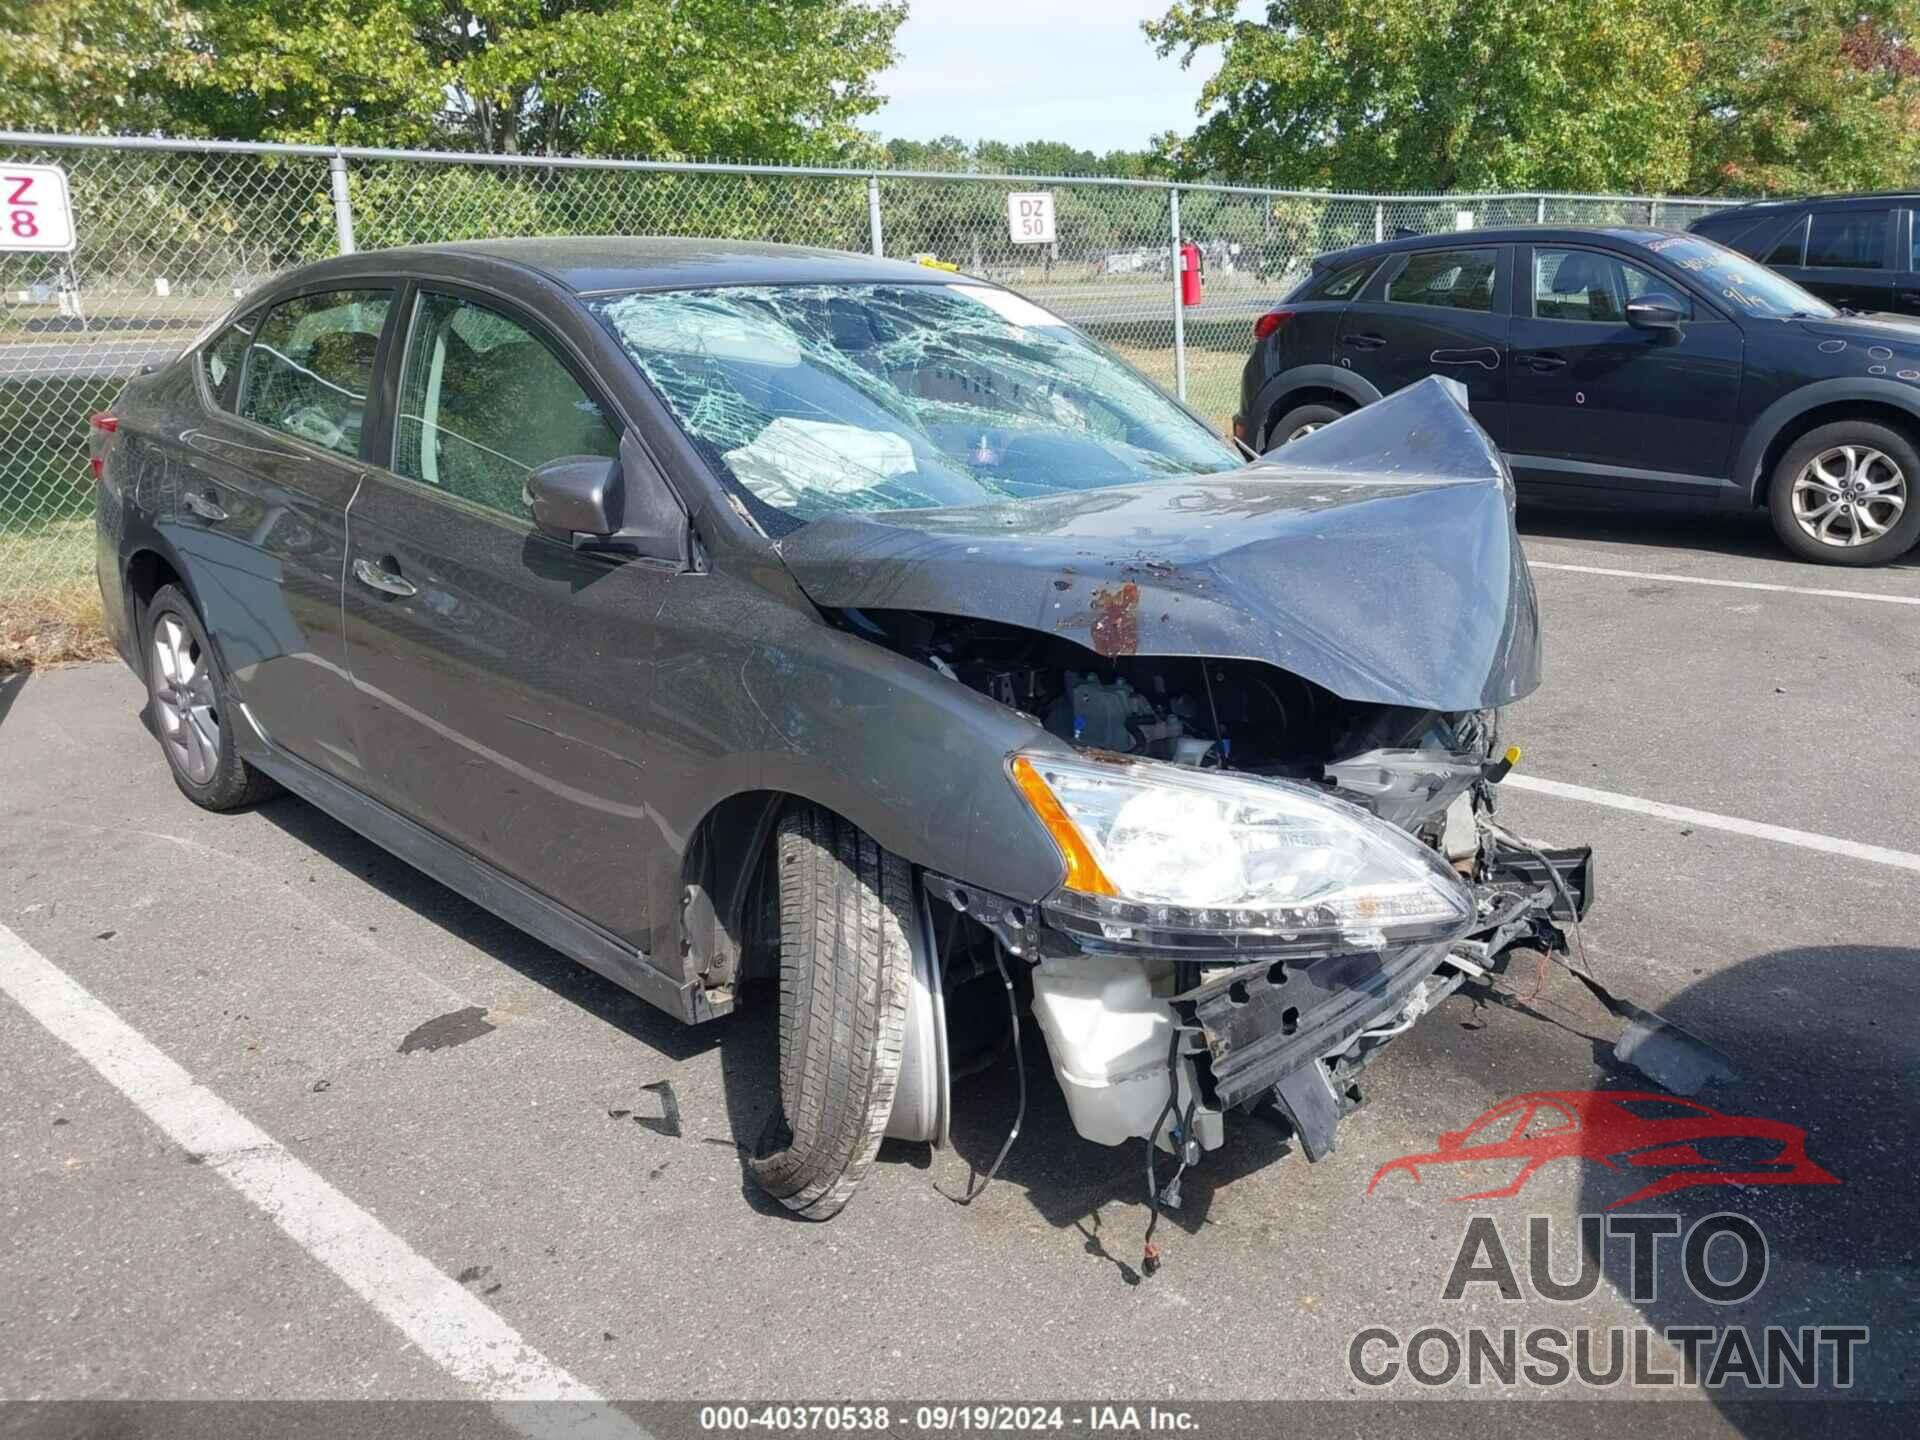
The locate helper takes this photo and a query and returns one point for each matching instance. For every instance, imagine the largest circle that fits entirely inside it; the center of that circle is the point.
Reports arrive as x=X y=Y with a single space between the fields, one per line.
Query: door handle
x=1910 y=297
x=379 y=577
x=205 y=506
x=1363 y=342
x=1546 y=360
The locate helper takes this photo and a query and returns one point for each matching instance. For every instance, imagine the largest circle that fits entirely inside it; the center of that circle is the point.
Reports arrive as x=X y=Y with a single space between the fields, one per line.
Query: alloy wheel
x=184 y=700
x=1849 y=495
x=1306 y=429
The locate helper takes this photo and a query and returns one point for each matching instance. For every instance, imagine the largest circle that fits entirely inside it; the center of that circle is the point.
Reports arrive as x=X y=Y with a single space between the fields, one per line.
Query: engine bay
x=1406 y=765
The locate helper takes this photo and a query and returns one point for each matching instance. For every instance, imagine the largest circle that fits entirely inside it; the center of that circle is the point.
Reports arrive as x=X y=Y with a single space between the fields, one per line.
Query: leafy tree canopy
x=1645 y=95
x=771 y=79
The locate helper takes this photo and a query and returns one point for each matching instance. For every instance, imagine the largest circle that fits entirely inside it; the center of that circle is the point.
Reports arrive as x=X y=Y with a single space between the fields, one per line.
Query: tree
x=769 y=80
x=81 y=64
x=1440 y=94
x=1808 y=96
x=1621 y=95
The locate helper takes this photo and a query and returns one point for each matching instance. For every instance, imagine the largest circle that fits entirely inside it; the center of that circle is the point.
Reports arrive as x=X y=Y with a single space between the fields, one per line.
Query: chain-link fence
x=169 y=233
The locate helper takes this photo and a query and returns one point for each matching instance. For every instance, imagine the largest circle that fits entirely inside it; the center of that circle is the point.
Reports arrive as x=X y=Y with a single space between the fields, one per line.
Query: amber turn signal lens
x=1083 y=871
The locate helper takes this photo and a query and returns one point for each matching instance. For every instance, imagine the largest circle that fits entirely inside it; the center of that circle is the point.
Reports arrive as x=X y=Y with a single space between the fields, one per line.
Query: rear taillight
x=1268 y=323
x=103 y=425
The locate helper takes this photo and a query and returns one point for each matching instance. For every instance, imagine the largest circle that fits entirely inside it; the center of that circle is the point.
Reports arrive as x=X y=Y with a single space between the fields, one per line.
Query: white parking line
x=1727 y=584
x=1707 y=820
x=447 y=1322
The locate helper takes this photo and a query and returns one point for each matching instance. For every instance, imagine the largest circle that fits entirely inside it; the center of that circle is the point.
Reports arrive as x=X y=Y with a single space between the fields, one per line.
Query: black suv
x=1858 y=251
x=1633 y=364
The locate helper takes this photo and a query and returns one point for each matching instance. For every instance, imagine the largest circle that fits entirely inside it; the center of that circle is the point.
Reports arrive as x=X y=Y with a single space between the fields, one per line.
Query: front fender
x=1788 y=408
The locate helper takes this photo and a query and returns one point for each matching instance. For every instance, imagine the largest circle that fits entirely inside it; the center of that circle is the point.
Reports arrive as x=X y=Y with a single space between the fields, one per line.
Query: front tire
x=193 y=713
x=1845 y=494
x=845 y=970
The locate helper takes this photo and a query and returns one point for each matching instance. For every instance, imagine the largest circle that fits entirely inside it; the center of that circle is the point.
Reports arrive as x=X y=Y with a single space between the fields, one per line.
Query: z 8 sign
x=34 y=213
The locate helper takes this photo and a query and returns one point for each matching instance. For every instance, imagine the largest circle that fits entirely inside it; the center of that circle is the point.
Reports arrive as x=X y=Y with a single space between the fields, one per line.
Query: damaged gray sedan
x=722 y=613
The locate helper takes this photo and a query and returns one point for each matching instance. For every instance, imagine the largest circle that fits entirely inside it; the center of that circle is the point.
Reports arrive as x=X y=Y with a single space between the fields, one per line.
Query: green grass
x=1213 y=377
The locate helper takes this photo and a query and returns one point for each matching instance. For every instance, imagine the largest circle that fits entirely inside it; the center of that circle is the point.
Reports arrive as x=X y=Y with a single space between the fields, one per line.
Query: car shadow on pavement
x=486 y=932
x=1823 y=1039
x=12 y=682
x=1740 y=534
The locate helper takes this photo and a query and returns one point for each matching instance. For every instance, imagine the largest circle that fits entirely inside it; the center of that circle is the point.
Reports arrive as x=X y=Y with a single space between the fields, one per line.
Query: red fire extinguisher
x=1191 y=269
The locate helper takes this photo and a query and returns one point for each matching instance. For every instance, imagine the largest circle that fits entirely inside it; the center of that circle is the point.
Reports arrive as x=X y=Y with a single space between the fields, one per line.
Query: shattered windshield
x=820 y=399
x=1751 y=286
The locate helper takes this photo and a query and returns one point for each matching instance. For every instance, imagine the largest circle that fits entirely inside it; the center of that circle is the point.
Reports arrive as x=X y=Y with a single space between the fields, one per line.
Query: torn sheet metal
x=1376 y=558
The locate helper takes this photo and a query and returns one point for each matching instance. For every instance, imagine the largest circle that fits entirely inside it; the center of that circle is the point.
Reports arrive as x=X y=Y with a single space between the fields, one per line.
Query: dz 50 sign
x=34 y=213
x=1030 y=217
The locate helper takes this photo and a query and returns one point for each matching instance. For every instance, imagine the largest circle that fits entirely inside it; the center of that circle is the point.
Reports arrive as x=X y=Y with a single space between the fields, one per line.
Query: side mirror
x=1655 y=310
x=624 y=506
x=576 y=498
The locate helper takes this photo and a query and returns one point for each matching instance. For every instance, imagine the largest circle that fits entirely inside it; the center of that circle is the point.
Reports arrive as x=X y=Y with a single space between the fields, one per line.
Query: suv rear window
x=1848 y=239
x=1456 y=279
x=1341 y=283
x=1790 y=248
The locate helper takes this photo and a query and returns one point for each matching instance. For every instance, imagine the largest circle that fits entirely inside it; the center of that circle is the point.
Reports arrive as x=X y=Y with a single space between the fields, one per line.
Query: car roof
x=591 y=264
x=1641 y=235
x=1864 y=197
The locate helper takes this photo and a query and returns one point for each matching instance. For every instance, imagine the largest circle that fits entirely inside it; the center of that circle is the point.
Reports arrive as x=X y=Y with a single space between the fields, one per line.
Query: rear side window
x=310 y=367
x=483 y=402
x=1729 y=229
x=1791 y=248
x=1848 y=239
x=220 y=359
x=1338 y=284
x=1913 y=262
x=1456 y=279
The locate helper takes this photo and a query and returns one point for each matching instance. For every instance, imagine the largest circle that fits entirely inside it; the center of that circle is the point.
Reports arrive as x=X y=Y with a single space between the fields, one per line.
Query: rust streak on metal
x=1116 y=619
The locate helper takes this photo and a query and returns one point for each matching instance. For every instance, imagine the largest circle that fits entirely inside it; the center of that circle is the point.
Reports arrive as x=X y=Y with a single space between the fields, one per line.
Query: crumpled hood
x=1376 y=557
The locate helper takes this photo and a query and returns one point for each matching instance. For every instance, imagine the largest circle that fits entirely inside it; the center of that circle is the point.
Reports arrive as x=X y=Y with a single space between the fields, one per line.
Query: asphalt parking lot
x=564 y=1155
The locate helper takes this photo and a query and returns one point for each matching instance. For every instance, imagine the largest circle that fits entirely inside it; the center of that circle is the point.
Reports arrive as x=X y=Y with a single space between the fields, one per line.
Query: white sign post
x=1030 y=218
x=34 y=212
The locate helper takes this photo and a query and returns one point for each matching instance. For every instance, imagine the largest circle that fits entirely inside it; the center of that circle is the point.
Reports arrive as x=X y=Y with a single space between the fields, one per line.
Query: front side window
x=1848 y=240
x=1913 y=225
x=1586 y=285
x=1457 y=279
x=483 y=403
x=220 y=360
x=821 y=399
x=310 y=367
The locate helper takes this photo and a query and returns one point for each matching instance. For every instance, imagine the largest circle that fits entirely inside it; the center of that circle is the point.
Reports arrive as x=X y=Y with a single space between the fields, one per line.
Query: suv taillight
x=104 y=426
x=1271 y=321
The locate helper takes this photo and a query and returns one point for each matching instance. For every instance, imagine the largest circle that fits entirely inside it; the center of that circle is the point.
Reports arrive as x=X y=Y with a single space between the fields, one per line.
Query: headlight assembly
x=1151 y=846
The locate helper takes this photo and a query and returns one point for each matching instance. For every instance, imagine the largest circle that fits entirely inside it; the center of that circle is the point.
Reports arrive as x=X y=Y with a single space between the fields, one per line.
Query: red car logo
x=1633 y=1129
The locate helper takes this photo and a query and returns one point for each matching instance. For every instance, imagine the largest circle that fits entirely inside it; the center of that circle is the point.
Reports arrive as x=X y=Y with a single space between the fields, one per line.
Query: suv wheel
x=1301 y=420
x=1844 y=494
x=845 y=970
x=191 y=711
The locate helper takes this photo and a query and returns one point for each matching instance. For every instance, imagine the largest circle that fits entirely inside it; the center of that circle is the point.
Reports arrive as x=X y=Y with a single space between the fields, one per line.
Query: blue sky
x=1072 y=70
